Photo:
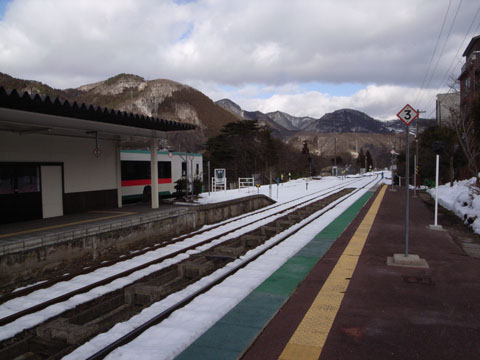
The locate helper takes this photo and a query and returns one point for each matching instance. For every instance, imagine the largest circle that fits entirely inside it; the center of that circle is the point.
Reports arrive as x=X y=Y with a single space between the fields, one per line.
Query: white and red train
x=172 y=166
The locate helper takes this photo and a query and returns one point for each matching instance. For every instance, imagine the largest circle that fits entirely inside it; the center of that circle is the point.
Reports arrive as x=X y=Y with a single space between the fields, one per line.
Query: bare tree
x=465 y=129
x=464 y=123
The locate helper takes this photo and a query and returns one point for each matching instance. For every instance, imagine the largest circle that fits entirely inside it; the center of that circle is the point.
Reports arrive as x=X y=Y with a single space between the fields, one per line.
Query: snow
x=207 y=308
x=169 y=338
x=462 y=200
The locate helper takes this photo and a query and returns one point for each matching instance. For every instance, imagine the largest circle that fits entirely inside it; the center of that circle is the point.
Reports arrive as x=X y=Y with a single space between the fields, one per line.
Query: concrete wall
x=25 y=259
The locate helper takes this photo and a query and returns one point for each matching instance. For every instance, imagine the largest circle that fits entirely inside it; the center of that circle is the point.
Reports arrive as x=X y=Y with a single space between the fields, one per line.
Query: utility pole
x=335 y=147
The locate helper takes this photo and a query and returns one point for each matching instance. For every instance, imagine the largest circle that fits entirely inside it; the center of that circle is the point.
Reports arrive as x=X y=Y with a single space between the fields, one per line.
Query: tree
x=361 y=159
x=451 y=157
x=244 y=148
x=467 y=127
x=369 y=160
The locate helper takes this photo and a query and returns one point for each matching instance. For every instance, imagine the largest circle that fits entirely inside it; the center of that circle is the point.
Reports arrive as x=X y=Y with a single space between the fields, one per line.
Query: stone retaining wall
x=92 y=245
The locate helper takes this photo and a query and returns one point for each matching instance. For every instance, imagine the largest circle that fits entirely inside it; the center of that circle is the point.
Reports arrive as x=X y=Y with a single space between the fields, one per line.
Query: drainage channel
x=61 y=335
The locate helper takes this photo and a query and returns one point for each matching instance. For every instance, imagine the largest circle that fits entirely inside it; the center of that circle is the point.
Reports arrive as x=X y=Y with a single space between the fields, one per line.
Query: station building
x=58 y=157
x=470 y=76
x=447 y=107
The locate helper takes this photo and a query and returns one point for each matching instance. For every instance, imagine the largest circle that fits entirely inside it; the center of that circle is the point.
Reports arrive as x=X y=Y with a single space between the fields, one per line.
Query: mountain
x=229 y=105
x=290 y=122
x=263 y=119
x=171 y=100
x=346 y=131
x=398 y=126
x=340 y=121
x=347 y=120
x=161 y=98
x=30 y=86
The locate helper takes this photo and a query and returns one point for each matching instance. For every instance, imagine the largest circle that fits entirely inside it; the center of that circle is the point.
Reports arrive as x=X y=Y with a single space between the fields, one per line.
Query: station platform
x=338 y=298
x=27 y=234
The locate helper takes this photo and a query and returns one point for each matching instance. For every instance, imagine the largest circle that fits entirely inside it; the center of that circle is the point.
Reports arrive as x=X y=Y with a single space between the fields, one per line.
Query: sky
x=303 y=57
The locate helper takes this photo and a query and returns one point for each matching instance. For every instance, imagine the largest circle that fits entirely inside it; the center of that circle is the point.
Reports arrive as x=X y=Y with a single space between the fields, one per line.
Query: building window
x=467 y=85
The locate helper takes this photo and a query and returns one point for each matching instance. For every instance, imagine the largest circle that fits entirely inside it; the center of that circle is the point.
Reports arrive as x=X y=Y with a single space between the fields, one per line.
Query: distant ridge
x=173 y=101
x=339 y=121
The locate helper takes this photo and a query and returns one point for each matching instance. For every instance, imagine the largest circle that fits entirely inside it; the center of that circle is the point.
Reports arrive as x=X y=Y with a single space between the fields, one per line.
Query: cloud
x=381 y=102
x=241 y=44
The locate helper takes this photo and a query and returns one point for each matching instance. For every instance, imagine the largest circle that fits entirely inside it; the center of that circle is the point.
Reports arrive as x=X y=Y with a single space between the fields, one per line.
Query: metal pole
x=416 y=157
x=209 y=180
x=191 y=178
x=415 y=176
x=335 y=139
x=154 y=172
x=391 y=169
x=407 y=184
x=335 y=156
x=270 y=186
x=436 y=189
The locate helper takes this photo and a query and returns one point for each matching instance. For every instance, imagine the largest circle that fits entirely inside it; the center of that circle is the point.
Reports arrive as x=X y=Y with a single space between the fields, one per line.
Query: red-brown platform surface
x=392 y=312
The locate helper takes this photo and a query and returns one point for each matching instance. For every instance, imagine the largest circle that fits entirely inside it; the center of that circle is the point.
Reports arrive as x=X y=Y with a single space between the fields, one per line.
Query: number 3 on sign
x=407 y=114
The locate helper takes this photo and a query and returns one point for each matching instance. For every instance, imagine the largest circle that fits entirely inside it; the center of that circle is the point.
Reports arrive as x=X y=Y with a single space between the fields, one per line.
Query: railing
x=246 y=182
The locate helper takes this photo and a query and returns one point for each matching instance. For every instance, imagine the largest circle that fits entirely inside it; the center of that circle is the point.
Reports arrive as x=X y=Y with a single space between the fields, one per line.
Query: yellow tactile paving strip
x=118 y=214
x=308 y=340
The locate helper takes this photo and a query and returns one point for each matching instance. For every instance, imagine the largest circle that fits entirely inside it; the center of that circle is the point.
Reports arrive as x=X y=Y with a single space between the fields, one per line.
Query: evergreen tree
x=369 y=161
x=361 y=159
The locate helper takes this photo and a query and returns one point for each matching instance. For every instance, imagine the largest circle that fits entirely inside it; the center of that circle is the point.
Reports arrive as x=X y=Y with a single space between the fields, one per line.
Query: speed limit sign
x=407 y=114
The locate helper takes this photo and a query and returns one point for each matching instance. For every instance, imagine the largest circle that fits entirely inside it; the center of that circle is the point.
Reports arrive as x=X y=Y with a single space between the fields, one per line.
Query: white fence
x=246 y=183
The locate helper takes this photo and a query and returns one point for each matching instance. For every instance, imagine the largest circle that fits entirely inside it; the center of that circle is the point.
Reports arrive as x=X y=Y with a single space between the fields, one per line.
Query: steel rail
x=45 y=284
x=10 y=318
x=164 y=314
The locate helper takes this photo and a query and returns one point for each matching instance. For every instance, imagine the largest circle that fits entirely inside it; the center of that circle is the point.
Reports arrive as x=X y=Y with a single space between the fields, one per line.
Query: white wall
x=82 y=170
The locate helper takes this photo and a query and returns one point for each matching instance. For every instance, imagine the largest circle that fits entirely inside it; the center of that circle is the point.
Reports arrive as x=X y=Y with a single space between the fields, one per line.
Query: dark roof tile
x=10 y=98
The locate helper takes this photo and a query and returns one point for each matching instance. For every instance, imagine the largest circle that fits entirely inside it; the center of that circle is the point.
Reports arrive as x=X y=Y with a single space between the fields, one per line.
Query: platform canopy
x=25 y=113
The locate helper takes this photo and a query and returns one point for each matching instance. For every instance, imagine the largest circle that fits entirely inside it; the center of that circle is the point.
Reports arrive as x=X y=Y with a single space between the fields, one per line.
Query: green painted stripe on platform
x=336 y=227
x=228 y=338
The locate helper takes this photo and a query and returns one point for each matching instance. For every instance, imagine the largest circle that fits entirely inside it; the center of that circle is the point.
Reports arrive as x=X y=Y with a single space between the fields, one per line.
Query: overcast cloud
x=302 y=57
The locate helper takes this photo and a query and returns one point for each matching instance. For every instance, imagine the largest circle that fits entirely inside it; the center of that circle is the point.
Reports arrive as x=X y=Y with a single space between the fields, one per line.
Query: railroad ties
x=62 y=334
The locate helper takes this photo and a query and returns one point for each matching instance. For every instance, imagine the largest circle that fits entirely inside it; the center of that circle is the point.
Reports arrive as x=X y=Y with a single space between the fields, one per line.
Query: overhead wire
x=434 y=50
x=458 y=62
x=441 y=52
x=461 y=46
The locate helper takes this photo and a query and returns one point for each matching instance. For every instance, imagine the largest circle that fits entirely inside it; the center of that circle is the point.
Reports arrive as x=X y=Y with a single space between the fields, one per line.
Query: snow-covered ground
x=169 y=338
x=289 y=191
x=461 y=200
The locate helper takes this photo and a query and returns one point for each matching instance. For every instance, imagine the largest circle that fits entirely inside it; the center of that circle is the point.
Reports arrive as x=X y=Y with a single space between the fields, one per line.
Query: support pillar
x=118 y=169
x=154 y=171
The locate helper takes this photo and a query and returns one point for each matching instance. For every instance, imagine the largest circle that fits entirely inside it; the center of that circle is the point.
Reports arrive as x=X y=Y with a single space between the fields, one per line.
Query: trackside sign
x=407 y=114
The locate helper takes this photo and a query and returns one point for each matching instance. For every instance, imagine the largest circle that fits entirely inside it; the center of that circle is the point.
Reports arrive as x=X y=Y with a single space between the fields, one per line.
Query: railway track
x=63 y=333
x=68 y=276
x=7 y=317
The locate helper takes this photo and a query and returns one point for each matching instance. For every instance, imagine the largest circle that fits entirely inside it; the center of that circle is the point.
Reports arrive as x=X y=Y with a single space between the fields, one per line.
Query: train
x=172 y=166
